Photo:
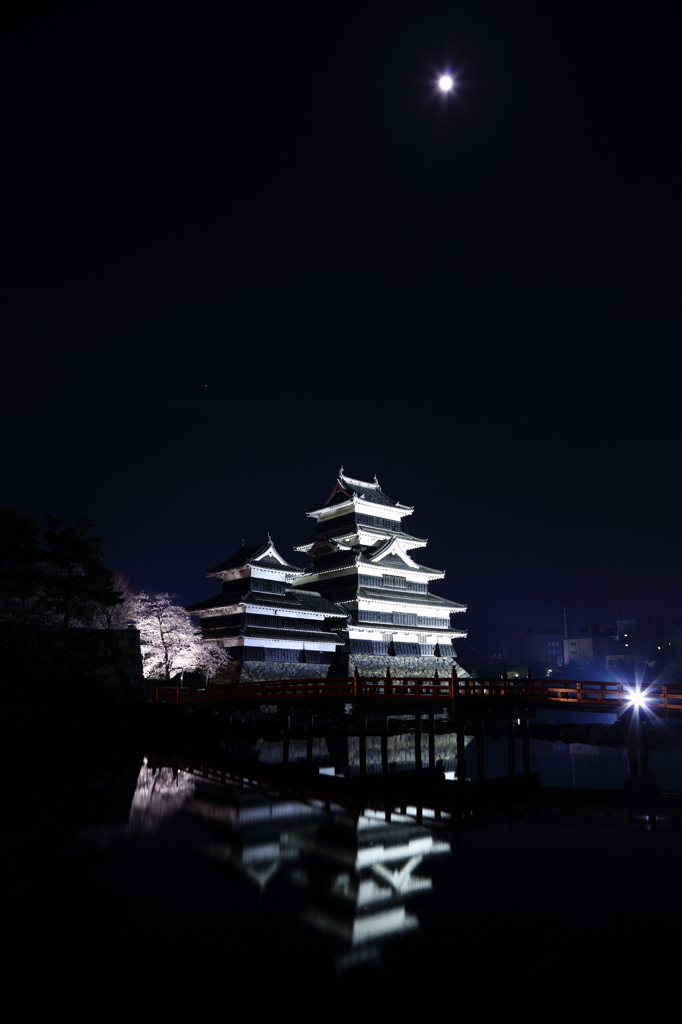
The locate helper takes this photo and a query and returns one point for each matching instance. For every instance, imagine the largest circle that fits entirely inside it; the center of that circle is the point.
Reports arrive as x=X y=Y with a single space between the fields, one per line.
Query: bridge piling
x=309 y=739
x=418 y=741
x=511 y=750
x=461 y=756
x=480 y=752
x=363 y=745
x=384 y=744
x=632 y=754
x=525 y=741
x=285 y=734
x=643 y=747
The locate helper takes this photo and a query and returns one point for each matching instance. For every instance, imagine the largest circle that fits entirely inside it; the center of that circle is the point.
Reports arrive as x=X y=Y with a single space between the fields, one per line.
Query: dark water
x=132 y=881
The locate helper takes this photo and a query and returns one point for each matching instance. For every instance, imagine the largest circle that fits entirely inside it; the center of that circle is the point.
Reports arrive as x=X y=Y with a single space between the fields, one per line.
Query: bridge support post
x=480 y=752
x=177 y=694
x=525 y=740
x=309 y=740
x=643 y=747
x=632 y=753
x=384 y=744
x=461 y=755
x=432 y=741
x=285 y=734
x=511 y=750
x=418 y=740
x=363 y=745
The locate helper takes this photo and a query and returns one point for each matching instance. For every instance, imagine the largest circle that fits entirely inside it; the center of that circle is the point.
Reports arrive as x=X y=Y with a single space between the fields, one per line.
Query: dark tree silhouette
x=20 y=566
x=76 y=583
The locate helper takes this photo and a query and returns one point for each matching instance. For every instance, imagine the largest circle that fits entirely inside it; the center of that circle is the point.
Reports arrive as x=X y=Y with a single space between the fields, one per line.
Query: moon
x=446 y=83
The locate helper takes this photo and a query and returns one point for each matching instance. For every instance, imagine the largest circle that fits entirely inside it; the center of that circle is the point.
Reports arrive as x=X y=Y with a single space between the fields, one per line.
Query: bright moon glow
x=446 y=83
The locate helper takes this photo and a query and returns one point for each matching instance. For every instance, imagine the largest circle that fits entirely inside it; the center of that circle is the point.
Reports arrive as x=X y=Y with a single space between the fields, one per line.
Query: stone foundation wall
x=253 y=671
x=108 y=655
x=343 y=665
x=121 y=654
x=419 y=667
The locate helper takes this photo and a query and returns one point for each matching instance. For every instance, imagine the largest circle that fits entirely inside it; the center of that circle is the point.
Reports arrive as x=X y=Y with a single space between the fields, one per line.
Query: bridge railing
x=405 y=686
x=584 y=692
x=265 y=690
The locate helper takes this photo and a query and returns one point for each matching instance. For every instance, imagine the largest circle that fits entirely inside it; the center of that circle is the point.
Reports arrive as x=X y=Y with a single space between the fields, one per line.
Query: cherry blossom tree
x=167 y=635
x=214 y=662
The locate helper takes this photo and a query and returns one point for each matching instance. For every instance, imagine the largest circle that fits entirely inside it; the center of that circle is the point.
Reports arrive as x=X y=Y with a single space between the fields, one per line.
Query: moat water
x=144 y=881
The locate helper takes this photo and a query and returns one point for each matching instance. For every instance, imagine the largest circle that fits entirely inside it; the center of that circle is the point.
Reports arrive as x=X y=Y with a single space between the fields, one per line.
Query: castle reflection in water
x=354 y=873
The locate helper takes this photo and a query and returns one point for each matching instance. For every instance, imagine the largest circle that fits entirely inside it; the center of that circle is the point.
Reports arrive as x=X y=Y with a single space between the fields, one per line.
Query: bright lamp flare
x=446 y=83
x=638 y=698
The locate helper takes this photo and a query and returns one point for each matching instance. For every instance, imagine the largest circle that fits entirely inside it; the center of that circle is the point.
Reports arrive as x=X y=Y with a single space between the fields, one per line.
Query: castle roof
x=303 y=600
x=348 y=488
x=392 y=597
x=367 y=626
x=353 y=558
x=313 y=636
x=264 y=555
x=350 y=529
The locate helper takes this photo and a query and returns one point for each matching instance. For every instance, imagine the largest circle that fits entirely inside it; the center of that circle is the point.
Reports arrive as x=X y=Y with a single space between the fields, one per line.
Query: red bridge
x=595 y=695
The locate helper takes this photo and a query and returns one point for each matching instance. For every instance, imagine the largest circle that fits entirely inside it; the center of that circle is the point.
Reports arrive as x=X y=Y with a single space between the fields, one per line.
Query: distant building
x=514 y=651
x=524 y=645
x=592 y=644
x=545 y=647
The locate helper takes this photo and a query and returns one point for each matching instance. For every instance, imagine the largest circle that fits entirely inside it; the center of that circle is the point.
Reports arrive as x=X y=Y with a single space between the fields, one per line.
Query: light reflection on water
x=250 y=874
x=158 y=794
x=354 y=873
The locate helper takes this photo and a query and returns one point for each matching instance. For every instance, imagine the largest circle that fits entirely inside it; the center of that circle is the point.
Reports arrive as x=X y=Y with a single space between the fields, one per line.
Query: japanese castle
x=362 y=602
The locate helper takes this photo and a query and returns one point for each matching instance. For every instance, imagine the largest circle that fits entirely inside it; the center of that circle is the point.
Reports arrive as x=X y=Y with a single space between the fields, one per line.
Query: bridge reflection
x=348 y=812
x=354 y=870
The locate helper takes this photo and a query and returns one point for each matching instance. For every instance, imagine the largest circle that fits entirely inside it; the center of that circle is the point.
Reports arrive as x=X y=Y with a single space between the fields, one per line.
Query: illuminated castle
x=363 y=602
x=362 y=564
x=269 y=629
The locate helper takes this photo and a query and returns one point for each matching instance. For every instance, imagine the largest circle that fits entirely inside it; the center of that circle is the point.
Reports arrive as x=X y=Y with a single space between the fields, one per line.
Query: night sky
x=246 y=244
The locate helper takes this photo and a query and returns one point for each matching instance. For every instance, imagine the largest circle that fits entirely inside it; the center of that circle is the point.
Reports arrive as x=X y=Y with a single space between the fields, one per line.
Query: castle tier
x=266 y=625
x=361 y=563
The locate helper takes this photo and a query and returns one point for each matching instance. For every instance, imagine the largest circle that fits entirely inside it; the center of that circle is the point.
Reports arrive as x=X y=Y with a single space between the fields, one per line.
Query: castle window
x=418 y=588
x=267 y=586
x=404 y=649
x=381 y=523
x=362 y=647
x=369 y=615
x=404 y=619
x=282 y=654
